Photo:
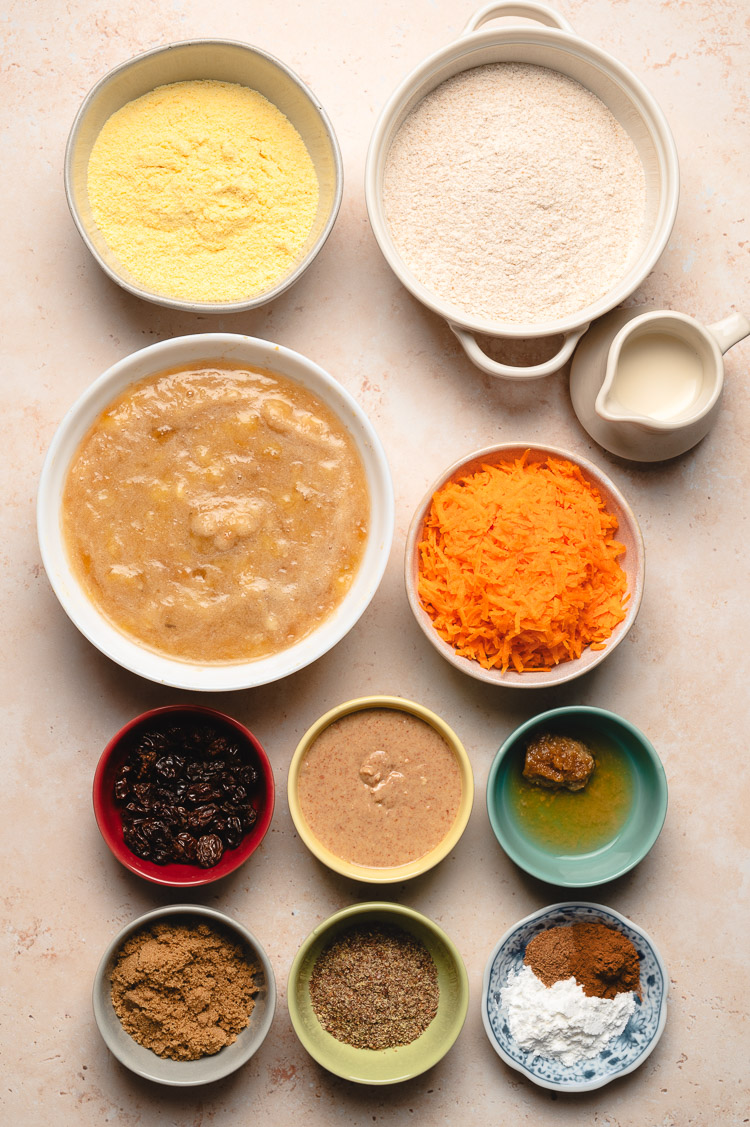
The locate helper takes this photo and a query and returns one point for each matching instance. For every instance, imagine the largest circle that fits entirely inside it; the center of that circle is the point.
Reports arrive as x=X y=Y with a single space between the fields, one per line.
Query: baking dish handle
x=528 y=10
x=510 y=371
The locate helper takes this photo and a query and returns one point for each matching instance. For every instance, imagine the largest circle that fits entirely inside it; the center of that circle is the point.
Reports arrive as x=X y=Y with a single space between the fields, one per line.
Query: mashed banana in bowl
x=216 y=513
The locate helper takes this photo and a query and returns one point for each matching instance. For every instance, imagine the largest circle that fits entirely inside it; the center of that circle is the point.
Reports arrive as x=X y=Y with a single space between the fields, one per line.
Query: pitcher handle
x=730 y=331
x=526 y=9
x=510 y=371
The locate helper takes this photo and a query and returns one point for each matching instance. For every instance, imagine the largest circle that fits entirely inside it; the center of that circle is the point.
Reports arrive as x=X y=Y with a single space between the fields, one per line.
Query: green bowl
x=627 y=845
x=382 y=1066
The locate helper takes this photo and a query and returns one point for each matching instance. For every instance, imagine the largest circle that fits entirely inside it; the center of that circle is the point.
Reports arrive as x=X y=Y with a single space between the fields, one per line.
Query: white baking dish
x=557 y=47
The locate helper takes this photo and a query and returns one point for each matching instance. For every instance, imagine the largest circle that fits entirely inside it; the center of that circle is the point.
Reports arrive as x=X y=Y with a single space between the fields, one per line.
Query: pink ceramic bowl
x=632 y=563
x=107 y=811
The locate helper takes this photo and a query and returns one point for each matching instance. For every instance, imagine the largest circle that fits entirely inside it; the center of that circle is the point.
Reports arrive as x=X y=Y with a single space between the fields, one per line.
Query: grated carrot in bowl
x=518 y=565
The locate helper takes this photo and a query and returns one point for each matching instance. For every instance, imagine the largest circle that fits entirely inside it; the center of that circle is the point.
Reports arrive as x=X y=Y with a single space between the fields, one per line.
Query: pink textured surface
x=680 y=675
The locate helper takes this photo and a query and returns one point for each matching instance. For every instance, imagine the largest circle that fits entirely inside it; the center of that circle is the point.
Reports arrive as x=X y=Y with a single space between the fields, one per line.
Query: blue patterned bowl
x=623 y=1053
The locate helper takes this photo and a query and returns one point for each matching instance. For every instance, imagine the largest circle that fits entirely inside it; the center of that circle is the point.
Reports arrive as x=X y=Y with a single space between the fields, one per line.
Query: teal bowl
x=633 y=769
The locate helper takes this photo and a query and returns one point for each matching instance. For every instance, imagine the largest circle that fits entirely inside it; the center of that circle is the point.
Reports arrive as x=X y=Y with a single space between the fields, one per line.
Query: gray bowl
x=224 y=61
x=185 y=1074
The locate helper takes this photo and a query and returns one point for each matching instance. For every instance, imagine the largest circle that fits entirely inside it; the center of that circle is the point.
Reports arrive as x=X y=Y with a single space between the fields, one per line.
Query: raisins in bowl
x=183 y=795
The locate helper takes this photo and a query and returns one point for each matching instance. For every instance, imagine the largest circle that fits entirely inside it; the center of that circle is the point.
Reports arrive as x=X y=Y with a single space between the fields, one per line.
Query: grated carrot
x=518 y=565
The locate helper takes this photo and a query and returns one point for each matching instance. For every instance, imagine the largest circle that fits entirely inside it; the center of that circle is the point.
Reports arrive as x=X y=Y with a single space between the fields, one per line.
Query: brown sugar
x=601 y=959
x=183 y=990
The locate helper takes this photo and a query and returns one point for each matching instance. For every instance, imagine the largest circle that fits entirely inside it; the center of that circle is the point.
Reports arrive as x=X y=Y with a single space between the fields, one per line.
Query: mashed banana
x=216 y=514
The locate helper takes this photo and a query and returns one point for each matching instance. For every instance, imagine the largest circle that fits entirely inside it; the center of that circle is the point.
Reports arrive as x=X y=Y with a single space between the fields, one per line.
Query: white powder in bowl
x=513 y=193
x=560 y=1021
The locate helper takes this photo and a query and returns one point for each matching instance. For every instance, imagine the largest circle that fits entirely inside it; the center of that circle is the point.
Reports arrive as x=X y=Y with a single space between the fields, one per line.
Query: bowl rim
x=391 y=874
x=662 y=792
x=465 y=46
x=564 y=671
x=390 y=913
x=151 y=360
x=183 y=304
x=195 y=876
x=99 y=988
x=587 y=1086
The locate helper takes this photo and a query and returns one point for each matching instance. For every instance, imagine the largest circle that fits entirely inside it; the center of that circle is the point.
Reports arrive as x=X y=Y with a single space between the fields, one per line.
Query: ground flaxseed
x=375 y=987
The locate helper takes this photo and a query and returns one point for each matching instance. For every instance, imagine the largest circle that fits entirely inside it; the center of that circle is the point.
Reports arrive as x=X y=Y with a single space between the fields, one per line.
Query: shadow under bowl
x=382 y=1066
x=174 y=1073
x=629 y=843
x=109 y=818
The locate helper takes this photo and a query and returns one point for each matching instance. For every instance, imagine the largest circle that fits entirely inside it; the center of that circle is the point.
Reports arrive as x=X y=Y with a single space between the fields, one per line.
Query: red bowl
x=108 y=816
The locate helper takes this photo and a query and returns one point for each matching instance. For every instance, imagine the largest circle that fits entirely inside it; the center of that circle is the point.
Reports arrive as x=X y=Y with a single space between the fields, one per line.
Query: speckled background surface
x=680 y=675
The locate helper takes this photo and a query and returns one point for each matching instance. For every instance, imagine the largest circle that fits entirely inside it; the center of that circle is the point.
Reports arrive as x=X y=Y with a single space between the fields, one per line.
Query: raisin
x=209 y=850
x=169 y=766
x=233 y=832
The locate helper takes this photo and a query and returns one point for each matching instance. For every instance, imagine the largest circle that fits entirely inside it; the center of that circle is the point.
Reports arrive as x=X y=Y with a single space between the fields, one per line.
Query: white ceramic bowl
x=222 y=60
x=558 y=48
x=188 y=1073
x=632 y=563
x=85 y=411
x=626 y=1052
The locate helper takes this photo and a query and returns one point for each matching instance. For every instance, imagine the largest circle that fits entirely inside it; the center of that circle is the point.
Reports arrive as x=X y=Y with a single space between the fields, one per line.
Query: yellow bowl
x=368 y=873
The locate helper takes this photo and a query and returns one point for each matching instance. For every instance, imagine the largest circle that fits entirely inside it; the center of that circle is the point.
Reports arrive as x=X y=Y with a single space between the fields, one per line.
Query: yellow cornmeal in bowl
x=216 y=514
x=203 y=190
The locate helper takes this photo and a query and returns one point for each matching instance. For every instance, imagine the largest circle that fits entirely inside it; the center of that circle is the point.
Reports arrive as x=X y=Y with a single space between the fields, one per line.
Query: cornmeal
x=204 y=191
x=216 y=514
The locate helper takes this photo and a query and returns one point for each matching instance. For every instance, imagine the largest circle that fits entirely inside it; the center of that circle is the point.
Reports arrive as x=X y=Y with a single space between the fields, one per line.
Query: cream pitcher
x=665 y=371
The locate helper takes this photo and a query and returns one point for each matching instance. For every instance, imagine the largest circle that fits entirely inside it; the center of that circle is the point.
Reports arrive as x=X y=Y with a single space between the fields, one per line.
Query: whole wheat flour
x=512 y=193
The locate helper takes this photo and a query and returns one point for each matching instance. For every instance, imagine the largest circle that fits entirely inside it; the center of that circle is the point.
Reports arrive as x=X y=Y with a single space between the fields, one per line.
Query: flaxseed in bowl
x=520 y=183
x=378 y=993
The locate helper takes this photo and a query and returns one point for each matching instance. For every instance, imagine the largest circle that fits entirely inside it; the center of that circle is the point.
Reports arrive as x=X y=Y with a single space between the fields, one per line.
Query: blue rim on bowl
x=628 y=845
x=624 y=1053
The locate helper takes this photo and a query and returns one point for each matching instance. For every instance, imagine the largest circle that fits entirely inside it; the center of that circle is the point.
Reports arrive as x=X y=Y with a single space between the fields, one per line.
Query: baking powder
x=513 y=193
x=560 y=1021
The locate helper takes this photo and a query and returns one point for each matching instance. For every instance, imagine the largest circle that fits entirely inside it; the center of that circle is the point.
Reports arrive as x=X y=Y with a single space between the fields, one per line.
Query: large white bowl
x=558 y=48
x=86 y=410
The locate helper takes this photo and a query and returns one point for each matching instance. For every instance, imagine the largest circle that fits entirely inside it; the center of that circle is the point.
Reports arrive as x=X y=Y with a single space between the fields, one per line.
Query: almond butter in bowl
x=380 y=789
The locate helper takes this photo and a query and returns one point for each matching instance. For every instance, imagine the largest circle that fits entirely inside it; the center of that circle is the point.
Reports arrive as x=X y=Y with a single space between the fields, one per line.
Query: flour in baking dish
x=513 y=193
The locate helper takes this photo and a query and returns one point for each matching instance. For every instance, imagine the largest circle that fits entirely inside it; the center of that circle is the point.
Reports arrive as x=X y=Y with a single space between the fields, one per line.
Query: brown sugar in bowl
x=370 y=873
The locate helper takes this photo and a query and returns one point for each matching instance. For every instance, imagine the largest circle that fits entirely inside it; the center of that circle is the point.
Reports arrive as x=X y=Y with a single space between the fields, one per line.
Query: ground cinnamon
x=183 y=990
x=600 y=958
